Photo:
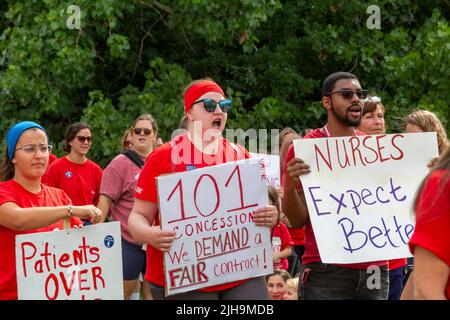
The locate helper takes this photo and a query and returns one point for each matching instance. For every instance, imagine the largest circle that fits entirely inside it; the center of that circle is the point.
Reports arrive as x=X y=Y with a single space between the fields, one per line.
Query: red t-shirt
x=81 y=182
x=311 y=250
x=11 y=191
x=432 y=231
x=281 y=239
x=161 y=162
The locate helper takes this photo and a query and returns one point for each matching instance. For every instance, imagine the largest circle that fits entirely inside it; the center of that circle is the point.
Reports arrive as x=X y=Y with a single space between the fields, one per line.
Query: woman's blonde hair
x=428 y=122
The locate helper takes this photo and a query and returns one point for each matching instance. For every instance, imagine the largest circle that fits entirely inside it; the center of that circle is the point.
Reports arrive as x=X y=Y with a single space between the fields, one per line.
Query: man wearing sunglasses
x=342 y=97
x=74 y=173
x=202 y=145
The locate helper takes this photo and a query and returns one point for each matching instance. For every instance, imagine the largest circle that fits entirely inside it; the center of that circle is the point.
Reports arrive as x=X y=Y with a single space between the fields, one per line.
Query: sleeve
x=146 y=185
x=112 y=180
x=432 y=230
x=6 y=195
x=286 y=239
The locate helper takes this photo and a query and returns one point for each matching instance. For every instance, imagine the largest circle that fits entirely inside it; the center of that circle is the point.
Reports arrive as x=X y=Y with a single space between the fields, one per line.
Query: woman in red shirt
x=26 y=205
x=430 y=242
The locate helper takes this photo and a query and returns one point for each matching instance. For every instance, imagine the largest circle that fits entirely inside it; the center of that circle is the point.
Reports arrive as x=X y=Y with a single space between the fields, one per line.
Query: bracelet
x=70 y=213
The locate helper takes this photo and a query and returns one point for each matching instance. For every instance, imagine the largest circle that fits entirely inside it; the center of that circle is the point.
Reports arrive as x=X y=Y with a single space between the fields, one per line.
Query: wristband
x=70 y=213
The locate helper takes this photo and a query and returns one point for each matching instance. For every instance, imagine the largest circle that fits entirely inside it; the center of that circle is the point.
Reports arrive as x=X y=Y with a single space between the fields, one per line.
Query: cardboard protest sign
x=360 y=193
x=211 y=210
x=270 y=168
x=74 y=264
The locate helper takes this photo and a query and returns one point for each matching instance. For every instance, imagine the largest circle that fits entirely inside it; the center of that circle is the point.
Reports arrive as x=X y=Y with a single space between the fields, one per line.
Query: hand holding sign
x=87 y=212
x=295 y=168
x=222 y=232
x=159 y=239
x=265 y=217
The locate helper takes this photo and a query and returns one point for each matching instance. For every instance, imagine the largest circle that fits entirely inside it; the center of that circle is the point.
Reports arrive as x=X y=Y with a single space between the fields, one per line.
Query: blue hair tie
x=16 y=131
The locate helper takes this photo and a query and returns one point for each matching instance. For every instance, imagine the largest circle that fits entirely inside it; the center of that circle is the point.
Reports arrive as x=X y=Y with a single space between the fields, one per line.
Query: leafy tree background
x=132 y=57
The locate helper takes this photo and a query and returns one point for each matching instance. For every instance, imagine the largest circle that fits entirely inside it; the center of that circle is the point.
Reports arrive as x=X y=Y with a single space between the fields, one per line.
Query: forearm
x=37 y=217
x=294 y=207
x=104 y=204
x=286 y=252
x=139 y=227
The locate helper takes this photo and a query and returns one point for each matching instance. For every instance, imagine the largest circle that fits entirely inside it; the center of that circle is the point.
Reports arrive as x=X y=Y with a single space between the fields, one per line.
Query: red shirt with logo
x=311 y=250
x=11 y=191
x=432 y=231
x=168 y=158
x=81 y=182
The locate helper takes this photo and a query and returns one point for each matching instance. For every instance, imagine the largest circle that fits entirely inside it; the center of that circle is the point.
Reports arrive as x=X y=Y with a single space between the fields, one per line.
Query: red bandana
x=197 y=90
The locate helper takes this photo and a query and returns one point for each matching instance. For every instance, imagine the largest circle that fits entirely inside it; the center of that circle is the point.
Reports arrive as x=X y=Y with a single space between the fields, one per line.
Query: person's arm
x=430 y=275
x=294 y=202
x=286 y=252
x=408 y=290
x=22 y=219
x=104 y=204
x=140 y=226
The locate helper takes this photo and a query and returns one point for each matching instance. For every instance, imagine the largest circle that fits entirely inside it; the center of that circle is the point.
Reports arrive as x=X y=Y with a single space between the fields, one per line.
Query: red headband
x=197 y=90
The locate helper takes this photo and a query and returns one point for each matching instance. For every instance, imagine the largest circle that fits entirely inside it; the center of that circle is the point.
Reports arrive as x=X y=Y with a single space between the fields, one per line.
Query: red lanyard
x=328 y=135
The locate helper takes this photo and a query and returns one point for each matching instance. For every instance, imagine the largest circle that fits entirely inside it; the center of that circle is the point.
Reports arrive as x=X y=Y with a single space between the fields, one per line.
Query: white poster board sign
x=75 y=264
x=211 y=210
x=360 y=193
x=270 y=168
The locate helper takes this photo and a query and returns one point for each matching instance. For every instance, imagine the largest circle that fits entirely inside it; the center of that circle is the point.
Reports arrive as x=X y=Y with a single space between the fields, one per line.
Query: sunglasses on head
x=138 y=131
x=349 y=93
x=210 y=105
x=82 y=139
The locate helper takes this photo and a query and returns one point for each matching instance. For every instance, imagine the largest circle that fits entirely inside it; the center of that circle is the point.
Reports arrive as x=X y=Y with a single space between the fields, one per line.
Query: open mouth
x=355 y=110
x=216 y=123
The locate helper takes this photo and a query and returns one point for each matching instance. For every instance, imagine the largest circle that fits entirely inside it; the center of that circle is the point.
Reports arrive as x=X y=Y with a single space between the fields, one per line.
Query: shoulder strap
x=133 y=156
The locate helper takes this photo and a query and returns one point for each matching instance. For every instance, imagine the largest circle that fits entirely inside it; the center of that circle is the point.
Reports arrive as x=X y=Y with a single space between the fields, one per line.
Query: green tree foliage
x=134 y=57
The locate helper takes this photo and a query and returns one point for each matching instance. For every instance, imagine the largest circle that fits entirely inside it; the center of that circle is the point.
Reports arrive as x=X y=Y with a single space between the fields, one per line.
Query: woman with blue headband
x=26 y=205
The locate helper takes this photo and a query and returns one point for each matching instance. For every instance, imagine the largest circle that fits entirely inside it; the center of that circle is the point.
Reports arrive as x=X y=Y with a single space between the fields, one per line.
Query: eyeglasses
x=82 y=139
x=32 y=148
x=138 y=131
x=210 y=105
x=348 y=93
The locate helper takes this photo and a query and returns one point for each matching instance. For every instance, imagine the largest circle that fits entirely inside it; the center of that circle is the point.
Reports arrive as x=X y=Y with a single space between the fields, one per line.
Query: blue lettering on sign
x=355 y=200
x=378 y=236
x=109 y=241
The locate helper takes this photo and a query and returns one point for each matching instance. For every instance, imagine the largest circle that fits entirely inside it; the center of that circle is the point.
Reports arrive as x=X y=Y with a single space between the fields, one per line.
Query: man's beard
x=344 y=118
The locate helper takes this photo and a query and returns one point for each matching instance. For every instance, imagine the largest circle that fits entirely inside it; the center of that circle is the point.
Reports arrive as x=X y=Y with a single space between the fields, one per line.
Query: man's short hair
x=328 y=83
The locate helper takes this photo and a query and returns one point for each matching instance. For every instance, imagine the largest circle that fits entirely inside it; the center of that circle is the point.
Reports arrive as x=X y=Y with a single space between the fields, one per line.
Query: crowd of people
x=40 y=193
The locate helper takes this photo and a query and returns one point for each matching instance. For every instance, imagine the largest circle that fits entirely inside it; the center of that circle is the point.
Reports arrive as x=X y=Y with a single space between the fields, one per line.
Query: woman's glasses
x=32 y=148
x=138 y=131
x=82 y=139
x=210 y=105
x=348 y=94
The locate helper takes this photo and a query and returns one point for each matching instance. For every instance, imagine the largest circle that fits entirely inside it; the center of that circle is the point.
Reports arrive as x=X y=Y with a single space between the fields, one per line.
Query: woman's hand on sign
x=87 y=212
x=294 y=169
x=432 y=162
x=266 y=217
x=159 y=239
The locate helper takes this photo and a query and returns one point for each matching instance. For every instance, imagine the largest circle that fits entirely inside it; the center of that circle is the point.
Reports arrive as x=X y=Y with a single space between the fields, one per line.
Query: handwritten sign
x=211 y=209
x=270 y=168
x=360 y=192
x=83 y=264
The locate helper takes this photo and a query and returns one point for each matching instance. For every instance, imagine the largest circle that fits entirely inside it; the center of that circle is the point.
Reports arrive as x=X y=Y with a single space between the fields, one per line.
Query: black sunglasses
x=210 y=105
x=138 y=131
x=347 y=94
x=82 y=139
